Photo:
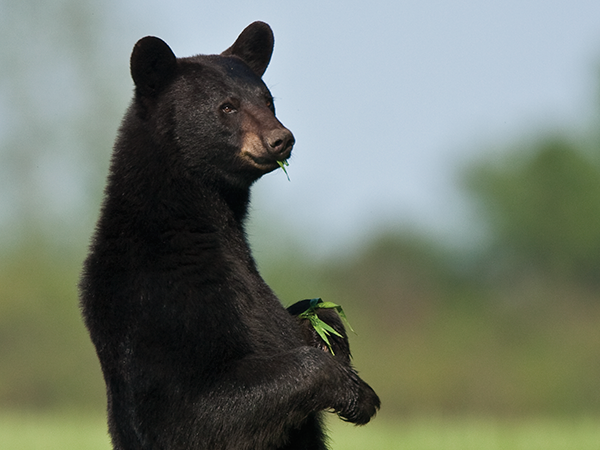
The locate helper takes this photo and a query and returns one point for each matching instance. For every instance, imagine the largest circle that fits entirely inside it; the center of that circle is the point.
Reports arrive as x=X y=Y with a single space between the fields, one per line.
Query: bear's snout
x=280 y=143
x=264 y=139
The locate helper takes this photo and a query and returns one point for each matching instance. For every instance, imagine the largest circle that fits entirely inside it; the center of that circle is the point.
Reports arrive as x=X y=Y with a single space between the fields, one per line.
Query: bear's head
x=213 y=112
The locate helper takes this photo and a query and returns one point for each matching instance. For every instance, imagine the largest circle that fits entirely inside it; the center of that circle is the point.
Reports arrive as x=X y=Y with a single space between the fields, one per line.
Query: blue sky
x=389 y=99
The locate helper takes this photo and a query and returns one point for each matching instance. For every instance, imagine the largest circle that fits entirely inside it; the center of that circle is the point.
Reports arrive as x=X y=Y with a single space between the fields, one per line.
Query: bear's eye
x=228 y=108
x=270 y=105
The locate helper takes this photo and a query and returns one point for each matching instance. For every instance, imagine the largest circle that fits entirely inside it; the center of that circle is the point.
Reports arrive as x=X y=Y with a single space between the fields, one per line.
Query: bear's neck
x=144 y=200
x=236 y=199
x=180 y=201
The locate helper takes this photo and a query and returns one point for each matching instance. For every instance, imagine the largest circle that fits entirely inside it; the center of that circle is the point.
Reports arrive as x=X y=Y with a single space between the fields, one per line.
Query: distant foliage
x=543 y=209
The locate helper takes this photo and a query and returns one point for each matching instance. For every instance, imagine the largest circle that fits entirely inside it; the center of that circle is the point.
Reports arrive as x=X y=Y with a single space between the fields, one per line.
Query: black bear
x=196 y=350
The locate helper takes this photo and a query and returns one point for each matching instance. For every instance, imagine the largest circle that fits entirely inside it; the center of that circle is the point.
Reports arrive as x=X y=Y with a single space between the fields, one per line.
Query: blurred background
x=445 y=189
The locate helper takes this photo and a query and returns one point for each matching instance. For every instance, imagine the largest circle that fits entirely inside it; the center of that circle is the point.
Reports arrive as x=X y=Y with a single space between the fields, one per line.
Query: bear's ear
x=254 y=46
x=152 y=65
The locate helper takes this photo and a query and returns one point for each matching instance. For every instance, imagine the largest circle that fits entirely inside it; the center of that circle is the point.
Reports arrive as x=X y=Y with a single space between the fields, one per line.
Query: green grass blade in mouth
x=282 y=164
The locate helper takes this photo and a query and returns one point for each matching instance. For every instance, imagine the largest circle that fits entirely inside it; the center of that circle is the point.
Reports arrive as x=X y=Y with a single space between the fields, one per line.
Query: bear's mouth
x=267 y=161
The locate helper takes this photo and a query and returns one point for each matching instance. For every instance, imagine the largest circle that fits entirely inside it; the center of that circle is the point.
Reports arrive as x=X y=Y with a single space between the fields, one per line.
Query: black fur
x=196 y=350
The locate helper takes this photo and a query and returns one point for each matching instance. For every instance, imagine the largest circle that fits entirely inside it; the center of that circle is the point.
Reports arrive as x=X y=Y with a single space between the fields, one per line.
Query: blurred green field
x=52 y=431
x=28 y=431
x=469 y=433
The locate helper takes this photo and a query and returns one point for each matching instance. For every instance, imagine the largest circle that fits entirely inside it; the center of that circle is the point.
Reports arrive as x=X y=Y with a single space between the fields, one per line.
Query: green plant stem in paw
x=323 y=329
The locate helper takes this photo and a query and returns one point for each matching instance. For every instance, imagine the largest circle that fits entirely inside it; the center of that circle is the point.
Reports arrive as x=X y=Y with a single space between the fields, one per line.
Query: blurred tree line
x=508 y=327
x=542 y=207
x=58 y=99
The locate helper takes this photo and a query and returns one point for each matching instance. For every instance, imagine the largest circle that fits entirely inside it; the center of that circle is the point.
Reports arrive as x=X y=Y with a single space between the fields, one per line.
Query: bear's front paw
x=363 y=405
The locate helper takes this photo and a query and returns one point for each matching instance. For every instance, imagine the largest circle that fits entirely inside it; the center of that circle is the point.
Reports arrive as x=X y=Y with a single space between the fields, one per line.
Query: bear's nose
x=280 y=142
